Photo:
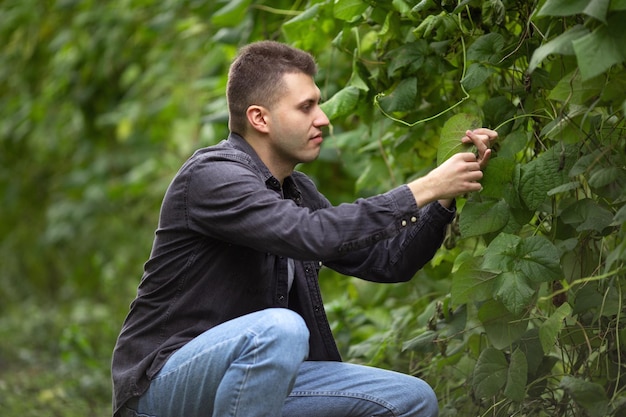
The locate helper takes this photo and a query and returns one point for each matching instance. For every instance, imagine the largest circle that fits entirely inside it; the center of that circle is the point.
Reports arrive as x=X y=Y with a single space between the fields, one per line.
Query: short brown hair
x=255 y=77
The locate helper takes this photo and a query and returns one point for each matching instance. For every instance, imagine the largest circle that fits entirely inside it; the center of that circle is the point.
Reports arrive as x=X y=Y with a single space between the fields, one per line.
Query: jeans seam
x=191 y=360
x=346 y=394
x=247 y=373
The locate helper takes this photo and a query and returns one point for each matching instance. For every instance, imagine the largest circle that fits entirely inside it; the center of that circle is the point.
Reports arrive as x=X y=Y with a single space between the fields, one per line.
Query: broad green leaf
x=497 y=110
x=593 y=8
x=423 y=5
x=502 y=327
x=545 y=173
x=514 y=291
x=349 y=10
x=512 y=144
x=549 y=330
x=609 y=175
x=501 y=252
x=409 y=57
x=498 y=178
x=604 y=47
x=573 y=89
x=586 y=214
x=476 y=75
x=342 y=103
x=452 y=132
x=488 y=48
x=471 y=283
x=402 y=98
x=538 y=259
x=482 y=218
x=300 y=25
x=618 y=5
x=490 y=373
x=589 y=395
x=618 y=254
x=620 y=217
x=421 y=343
x=517 y=376
x=535 y=258
x=569 y=186
x=530 y=344
x=230 y=14
x=561 y=45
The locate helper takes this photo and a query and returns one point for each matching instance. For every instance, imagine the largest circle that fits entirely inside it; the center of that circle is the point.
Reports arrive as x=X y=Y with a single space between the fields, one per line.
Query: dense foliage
x=522 y=311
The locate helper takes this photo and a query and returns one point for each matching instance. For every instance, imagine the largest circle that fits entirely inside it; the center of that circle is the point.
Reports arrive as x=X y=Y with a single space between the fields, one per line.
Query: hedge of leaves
x=522 y=311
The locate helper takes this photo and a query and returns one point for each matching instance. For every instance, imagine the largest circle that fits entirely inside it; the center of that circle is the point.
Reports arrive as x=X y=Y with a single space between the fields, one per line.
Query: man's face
x=295 y=122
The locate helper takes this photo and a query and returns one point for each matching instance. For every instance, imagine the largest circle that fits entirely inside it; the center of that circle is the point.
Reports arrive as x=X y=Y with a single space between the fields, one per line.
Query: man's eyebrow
x=311 y=100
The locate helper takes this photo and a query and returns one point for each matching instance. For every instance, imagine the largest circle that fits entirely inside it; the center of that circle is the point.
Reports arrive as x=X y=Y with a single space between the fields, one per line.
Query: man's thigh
x=337 y=389
x=245 y=365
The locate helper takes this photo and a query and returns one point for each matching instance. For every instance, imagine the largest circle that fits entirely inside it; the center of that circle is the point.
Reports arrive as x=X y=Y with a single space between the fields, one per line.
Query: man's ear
x=257 y=117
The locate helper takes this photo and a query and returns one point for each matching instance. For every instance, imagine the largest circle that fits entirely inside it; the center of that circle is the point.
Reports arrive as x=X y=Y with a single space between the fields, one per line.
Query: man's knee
x=424 y=400
x=287 y=329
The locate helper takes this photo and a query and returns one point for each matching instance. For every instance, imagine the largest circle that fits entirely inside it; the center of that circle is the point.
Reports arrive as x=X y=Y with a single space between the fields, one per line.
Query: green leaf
x=423 y=5
x=573 y=89
x=601 y=49
x=617 y=5
x=515 y=291
x=531 y=346
x=342 y=103
x=602 y=177
x=421 y=343
x=488 y=48
x=589 y=395
x=490 y=373
x=485 y=217
x=299 y=26
x=561 y=45
x=586 y=214
x=535 y=257
x=594 y=8
x=538 y=259
x=452 y=132
x=500 y=253
x=349 y=10
x=517 y=376
x=502 y=327
x=402 y=98
x=545 y=173
x=471 y=283
x=549 y=330
x=476 y=75
x=498 y=178
x=410 y=56
x=231 y=13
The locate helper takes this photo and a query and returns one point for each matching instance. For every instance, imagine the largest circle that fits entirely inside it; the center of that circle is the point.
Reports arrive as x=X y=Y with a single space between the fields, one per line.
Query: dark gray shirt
x=226 y=231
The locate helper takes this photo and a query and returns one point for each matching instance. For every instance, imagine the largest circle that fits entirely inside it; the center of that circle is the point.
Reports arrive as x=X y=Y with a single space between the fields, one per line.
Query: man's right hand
x=458 y=175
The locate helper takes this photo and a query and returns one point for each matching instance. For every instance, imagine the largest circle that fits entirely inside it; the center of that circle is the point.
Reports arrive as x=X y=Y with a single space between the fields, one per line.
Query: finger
x=480 y=141
x=492 y=134
x=485 y=159
x=489 y=135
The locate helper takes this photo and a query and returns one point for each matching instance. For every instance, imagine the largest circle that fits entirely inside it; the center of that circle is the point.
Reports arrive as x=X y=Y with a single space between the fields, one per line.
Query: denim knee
x=424 y=401
x=288 y=329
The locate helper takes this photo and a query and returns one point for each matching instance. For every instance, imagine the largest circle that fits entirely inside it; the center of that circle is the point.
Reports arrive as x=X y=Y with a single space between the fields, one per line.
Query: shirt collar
x=290 y=189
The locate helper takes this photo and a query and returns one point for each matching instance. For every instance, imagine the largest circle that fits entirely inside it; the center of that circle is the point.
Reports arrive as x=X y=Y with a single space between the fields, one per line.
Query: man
x=228 y=318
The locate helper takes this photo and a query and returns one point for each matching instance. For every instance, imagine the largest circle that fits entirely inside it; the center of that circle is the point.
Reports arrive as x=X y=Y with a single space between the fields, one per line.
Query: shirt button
x=403 y=223
x=413 y=219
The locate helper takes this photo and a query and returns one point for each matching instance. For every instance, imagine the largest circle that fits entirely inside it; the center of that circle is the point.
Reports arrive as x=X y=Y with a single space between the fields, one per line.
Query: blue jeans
x=255 y=365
